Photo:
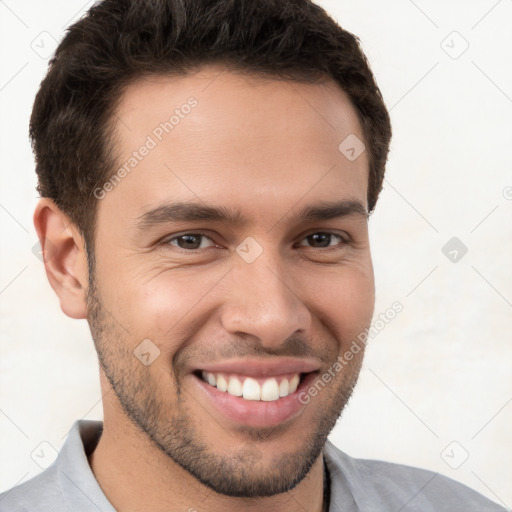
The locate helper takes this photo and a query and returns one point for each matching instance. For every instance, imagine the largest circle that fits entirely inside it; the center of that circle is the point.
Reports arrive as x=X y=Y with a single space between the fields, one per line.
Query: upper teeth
x=266 y=390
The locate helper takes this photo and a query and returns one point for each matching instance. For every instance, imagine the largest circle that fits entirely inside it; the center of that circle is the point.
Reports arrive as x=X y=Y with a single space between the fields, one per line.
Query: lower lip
x=256 y=413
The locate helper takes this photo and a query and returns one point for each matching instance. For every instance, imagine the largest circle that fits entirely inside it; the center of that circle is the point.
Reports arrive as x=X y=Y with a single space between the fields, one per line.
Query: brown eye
x=323 y=239
x=191 y=241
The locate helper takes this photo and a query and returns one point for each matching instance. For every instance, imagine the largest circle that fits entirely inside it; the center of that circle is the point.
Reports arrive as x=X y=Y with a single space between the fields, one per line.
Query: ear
x=65 y=257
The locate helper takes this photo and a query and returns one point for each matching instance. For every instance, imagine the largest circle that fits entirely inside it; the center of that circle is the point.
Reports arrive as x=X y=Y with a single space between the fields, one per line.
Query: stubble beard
x=239 y=474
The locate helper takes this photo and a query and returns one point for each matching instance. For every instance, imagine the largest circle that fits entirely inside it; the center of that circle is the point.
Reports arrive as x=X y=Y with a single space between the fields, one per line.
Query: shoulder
x=40 y=493
x=67 y=481
x=378 y=485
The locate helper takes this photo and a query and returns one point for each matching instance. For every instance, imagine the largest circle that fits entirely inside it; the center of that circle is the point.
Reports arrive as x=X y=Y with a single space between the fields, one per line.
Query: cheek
x=169 y=305
x=344 y=301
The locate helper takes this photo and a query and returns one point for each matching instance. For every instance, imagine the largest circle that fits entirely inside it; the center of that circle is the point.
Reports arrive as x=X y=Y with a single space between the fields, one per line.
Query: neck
x=135 y=475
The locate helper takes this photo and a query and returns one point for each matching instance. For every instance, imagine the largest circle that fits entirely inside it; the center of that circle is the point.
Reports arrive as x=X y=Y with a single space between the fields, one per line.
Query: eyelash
x=344 y=240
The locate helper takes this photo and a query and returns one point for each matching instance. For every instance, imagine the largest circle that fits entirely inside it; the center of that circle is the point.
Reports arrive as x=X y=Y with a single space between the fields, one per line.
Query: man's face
x=276 y=286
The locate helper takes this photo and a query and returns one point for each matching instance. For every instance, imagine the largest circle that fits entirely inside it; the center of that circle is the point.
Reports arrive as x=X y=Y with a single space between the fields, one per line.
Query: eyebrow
x=190 y=212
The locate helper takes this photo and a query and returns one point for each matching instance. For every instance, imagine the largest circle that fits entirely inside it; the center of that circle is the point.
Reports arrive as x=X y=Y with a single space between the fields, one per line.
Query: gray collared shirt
x=356 y=485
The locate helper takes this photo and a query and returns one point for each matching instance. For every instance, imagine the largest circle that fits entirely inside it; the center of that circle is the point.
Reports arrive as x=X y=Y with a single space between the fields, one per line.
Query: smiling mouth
x=248 y=388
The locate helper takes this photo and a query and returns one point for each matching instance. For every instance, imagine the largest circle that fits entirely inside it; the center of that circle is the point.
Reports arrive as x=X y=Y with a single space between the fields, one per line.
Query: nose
x=261 y=302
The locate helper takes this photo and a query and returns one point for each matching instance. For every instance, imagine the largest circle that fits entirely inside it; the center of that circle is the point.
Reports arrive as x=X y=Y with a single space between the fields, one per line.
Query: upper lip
x=262 y=367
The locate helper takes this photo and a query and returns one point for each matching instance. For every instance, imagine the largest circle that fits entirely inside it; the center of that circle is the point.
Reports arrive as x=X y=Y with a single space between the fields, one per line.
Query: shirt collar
x=79 y=486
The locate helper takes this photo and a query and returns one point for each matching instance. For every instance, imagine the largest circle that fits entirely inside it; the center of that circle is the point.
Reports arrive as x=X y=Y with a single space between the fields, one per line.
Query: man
x=207 y=169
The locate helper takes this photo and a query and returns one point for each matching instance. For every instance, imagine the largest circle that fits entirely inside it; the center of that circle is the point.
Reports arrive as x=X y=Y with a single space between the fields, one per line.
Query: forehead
x=241 y=94
x=233 y=138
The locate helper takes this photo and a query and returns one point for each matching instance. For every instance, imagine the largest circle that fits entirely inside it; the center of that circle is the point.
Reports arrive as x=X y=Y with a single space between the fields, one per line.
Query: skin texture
x=266 y=148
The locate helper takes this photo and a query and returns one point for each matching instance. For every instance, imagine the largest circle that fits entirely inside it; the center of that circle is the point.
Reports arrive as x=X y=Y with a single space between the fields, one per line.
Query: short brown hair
x=118 y=41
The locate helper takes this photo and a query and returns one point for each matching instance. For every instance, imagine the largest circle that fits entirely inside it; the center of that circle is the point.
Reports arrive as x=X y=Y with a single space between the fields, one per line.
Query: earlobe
x=64 y=257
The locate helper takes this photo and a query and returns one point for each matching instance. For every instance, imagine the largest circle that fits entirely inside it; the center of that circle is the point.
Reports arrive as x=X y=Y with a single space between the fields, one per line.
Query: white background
x=440 y=374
